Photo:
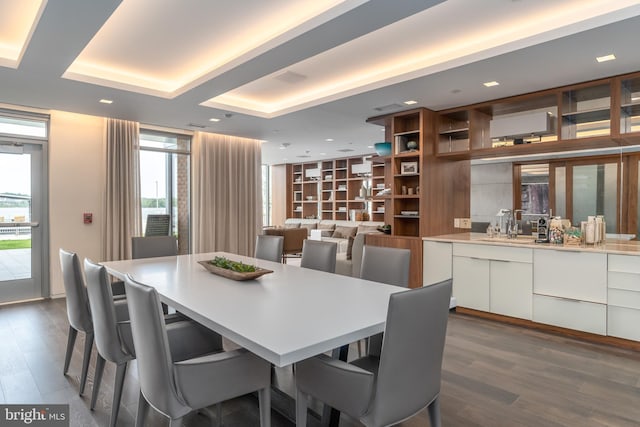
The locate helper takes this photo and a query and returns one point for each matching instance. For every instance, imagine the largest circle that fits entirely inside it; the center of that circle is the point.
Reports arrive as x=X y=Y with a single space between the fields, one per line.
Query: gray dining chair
x=178 y=387
x=77 y=312
x=319 y=255
x=384 y=265
x=113 y=338
x=269 y=247
x=153 y=246
x=405 y=379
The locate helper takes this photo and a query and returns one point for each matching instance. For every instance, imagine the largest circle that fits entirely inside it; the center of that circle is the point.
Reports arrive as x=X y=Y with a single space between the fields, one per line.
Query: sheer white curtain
x=122 y=195
x=227 y=193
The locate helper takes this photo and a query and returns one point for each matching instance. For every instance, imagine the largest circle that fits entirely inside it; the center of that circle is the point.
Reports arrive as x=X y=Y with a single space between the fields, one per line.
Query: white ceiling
x=297 y=73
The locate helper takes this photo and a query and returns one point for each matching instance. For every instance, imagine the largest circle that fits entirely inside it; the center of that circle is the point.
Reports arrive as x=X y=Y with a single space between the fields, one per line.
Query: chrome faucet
x=517 y=222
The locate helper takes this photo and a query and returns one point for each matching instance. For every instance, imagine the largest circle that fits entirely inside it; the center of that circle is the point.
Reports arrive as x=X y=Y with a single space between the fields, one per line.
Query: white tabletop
x=284 y=317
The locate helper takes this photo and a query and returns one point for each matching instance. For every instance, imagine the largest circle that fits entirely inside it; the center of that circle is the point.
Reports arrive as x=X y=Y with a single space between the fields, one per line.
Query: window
x=21 y=126
x=165 y=184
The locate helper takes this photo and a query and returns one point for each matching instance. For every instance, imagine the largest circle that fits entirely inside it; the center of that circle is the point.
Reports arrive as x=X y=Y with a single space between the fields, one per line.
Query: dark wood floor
x=493 y=375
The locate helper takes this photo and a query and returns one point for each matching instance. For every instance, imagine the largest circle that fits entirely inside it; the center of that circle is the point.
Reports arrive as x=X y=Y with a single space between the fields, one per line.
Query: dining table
x=285 y=316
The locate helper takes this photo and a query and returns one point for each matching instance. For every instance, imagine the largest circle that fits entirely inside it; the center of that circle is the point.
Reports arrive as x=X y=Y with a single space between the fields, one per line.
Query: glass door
x=22 y=260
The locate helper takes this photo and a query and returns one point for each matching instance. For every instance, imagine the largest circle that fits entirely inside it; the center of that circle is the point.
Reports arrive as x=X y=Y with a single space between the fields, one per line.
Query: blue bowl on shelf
x=382 y=148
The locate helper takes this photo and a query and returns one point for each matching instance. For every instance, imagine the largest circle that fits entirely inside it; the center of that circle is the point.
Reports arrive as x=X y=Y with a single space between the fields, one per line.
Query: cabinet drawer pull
x=499 y=260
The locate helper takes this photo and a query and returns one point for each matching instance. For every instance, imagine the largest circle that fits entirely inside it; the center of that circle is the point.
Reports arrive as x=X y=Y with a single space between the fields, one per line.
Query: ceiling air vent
x=388 y=107
x=195 y=125
x=345 y=150
x=290 y=77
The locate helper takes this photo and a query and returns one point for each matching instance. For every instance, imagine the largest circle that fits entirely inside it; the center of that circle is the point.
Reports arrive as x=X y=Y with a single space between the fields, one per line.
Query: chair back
x=105 y=323
x=385 y=265
x=155 y=370
x=319 y=255
x=269 y=247
x=76 y=293
x=411 y=361
x=153 y=246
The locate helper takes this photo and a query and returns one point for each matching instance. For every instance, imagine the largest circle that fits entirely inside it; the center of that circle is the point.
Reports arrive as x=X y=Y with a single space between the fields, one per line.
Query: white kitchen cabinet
x=576 y=275
x=511 y=286
x=437 y=262
x=471 y=282
x=491 y=278
x=623 y=299
x=570 y=313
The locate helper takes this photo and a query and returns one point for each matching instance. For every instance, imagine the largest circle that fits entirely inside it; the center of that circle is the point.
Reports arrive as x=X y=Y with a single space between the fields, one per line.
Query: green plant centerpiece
x=228 y=264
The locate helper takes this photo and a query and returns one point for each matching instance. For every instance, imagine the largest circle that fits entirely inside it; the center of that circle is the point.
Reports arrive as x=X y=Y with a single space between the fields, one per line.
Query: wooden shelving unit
x=427 y=192
x=332 y=189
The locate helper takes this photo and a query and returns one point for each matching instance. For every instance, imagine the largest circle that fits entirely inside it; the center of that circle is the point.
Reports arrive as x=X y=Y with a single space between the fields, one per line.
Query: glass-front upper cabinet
x=630 y=106
x=586 y=112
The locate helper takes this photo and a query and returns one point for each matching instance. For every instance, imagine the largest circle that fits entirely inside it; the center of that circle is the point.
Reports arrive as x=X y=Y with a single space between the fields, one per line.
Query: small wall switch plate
x=456 y=223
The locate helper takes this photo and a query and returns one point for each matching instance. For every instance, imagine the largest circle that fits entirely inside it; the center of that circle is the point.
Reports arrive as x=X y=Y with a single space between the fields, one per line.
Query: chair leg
x=71 y=341
x=143 y=408
x=434 y=412
x=175 y=422
x=264 y=400
x=88 y=345
x=121 y=371
x=97 y=380
x=301 y=409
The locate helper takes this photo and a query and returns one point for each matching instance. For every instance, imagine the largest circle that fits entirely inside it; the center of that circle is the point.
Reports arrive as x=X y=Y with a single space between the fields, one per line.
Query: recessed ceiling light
x=329 y=139
x=369 y=146
x=323 y=154
x=410 y=102
x=213 y=119
x=490 y=84
x=284 y=145
x=606 y=58
x=106 y=101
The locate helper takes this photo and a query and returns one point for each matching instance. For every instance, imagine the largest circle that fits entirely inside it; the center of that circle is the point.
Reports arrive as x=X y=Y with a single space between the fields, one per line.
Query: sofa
x=337 y=231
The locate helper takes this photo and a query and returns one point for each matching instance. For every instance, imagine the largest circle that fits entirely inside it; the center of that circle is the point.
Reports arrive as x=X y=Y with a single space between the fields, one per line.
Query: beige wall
x=76 y=177
x=278 y=194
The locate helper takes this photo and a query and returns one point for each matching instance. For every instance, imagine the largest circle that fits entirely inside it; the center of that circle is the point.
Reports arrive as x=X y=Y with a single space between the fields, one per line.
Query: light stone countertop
x=621 y=247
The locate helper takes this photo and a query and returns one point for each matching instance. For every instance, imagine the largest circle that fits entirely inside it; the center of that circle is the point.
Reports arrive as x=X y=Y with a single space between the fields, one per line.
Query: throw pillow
x=344 y=232
x=294 y=225
x=326 y=233
x=350 y=247
x=367 y=228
